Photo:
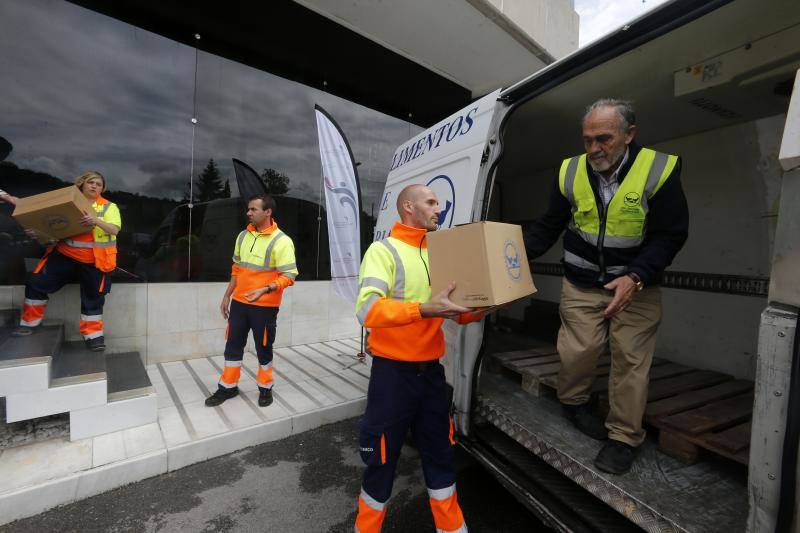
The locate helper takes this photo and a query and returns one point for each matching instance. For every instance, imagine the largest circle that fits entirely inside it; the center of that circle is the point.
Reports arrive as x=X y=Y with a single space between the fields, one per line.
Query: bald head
x=418 y=207
x=410 y=194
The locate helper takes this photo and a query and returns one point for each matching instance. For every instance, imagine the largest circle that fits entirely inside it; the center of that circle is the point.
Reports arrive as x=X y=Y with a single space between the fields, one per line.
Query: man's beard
x=604 y=166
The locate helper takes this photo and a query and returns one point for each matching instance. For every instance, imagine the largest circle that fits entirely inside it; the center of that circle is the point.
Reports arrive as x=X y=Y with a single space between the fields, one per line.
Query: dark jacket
x=666 y=231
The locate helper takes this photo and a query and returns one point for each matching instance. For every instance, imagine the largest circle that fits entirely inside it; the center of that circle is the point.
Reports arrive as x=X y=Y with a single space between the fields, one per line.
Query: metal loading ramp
x=659 y=494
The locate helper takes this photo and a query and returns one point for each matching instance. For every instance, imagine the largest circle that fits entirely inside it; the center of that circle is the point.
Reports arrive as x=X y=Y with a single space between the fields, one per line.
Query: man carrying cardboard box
x=86 y=258
x=407 y=388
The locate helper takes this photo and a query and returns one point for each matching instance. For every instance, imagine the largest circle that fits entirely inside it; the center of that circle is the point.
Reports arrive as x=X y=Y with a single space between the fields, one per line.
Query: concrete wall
x=731 y=178
x=551 y=23
x=174 y=321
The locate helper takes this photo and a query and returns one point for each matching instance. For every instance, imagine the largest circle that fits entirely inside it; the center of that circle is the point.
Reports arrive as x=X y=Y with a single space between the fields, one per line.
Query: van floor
x=658 y=493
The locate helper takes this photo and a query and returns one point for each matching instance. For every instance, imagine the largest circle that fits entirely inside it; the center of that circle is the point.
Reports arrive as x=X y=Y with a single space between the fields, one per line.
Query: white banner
x=342 y=205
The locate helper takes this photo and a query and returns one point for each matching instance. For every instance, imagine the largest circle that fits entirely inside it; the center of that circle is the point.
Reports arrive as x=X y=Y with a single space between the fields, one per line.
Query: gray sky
x=118 y=99
x=599 y=17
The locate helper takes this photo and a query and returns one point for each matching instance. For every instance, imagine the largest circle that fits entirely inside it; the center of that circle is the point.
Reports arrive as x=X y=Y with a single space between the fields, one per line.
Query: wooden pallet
x=538 y=369
x=716 y=419
x=692 y=409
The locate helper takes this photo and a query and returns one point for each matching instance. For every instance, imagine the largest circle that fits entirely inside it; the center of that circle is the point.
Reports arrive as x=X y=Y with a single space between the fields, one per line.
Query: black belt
x=409 y=366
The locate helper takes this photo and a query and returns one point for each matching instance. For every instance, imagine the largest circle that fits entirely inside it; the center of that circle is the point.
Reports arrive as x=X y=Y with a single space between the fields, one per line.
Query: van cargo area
x=716 y=92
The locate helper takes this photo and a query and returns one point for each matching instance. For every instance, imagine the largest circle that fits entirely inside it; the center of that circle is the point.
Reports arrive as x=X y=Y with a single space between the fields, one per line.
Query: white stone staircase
x=42 y=375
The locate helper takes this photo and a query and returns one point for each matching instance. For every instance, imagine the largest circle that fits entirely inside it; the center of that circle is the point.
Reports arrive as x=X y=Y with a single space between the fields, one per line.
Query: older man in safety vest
x=263 y=266
x=626 y=218
x=407 y=388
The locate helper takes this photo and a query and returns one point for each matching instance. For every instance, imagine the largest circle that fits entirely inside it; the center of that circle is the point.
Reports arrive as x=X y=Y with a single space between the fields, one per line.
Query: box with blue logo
x=486 y=260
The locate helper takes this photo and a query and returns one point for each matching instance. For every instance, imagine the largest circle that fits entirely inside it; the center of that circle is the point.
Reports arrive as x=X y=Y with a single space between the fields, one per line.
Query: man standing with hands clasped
x=626 y=218
x=263 y=266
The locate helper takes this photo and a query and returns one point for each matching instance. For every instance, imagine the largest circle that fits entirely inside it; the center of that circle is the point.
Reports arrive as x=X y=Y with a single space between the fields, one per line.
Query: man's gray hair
x=624 y=109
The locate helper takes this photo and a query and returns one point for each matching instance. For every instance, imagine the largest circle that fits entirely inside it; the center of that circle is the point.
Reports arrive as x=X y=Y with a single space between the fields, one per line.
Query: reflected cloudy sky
x=83 y=91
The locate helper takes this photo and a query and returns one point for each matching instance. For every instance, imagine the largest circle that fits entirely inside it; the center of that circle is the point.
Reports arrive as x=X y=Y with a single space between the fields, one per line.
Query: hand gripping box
x=54 y=214
x=486 y=260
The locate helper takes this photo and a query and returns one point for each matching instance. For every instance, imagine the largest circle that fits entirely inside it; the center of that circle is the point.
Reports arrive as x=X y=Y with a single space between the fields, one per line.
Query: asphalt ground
x=306 y=483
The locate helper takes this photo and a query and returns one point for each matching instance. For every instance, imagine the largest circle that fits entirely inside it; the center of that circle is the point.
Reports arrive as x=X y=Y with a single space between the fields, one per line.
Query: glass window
x=83 y=91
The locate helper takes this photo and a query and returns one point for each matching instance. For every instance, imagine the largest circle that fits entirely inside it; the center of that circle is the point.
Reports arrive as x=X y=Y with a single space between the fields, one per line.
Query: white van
x=711 y=81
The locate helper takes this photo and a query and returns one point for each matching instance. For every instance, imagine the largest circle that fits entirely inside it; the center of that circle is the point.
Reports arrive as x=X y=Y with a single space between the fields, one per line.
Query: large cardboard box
x=486 y=260
x=54 y=214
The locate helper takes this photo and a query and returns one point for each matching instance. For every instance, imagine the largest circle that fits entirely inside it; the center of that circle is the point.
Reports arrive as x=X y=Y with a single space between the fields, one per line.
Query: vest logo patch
x=632 y=199
x=512 y=259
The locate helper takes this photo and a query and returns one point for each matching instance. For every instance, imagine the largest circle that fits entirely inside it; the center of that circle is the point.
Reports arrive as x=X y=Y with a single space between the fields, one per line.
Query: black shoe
x=98 y=344
x=264 y=397
x=220 y=396
x=23 y=331
x=583 y=419
x=615 y=457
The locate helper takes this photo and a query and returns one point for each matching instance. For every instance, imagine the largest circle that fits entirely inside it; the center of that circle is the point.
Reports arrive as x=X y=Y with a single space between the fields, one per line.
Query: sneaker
x=615 y=457
x=22 y=331
x=98 y=344
x=583 y=419
x=220 y=396
x=264 y=397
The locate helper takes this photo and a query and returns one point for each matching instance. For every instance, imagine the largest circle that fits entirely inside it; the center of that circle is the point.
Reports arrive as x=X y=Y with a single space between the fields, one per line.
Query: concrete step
x=59 y=399
x=127 y=377
x=25 y=361
x=77 y=381
x=131 y=400
x=75 y=364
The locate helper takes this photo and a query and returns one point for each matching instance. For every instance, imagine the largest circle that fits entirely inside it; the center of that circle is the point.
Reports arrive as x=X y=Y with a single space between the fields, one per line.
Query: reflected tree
x=208 y=186
x=277 y=183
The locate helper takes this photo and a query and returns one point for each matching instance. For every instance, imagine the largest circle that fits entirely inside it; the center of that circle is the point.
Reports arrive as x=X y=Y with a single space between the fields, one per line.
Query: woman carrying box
x=86 y=258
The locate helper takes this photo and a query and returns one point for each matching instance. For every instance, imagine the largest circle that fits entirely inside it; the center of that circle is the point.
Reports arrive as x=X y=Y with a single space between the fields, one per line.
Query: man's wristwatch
x=636 y=280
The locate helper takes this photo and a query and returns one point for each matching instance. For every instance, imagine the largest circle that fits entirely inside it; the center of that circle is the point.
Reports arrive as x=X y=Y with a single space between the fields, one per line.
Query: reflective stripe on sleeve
x=375 y=283
x=399 y=289
x=362 y=313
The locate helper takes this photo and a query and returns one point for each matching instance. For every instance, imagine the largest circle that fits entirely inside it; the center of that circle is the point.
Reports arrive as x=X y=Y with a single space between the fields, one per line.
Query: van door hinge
x=485 y=157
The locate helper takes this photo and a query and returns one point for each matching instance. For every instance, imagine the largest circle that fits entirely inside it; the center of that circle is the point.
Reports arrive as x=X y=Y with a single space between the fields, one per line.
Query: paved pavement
x=305 y=483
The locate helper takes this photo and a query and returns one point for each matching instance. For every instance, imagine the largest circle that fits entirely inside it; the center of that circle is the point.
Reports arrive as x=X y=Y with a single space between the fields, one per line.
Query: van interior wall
x=731 y=177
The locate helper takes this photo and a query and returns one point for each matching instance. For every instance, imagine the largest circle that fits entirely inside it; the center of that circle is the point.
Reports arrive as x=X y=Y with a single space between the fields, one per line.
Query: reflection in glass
x=119 y=100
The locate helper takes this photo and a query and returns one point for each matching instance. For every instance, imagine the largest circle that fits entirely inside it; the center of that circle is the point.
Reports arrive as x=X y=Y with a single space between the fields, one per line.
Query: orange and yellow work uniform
x=87 y=258
x=259 y=259
x=407 y=387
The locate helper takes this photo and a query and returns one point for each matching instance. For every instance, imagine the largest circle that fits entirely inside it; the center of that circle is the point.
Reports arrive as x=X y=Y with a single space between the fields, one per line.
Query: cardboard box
x=54 y=214
x=486 y=260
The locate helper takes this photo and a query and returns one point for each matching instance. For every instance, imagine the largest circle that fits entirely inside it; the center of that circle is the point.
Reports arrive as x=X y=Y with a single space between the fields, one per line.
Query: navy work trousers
x=243 y=319
x=59 y=270
x=405 y=396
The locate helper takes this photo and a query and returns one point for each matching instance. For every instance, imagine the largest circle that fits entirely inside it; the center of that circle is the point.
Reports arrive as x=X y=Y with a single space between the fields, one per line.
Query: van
x=712 y=81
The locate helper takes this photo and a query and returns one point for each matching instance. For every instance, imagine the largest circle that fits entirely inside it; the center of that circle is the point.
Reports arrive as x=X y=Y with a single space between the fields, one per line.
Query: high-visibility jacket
x=261 y=258
x=95 y=246
x=621 y=225
x=393 y=282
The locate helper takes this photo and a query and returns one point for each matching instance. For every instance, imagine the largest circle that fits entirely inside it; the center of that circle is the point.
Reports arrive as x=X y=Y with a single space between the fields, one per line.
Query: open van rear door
x=449 y=157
